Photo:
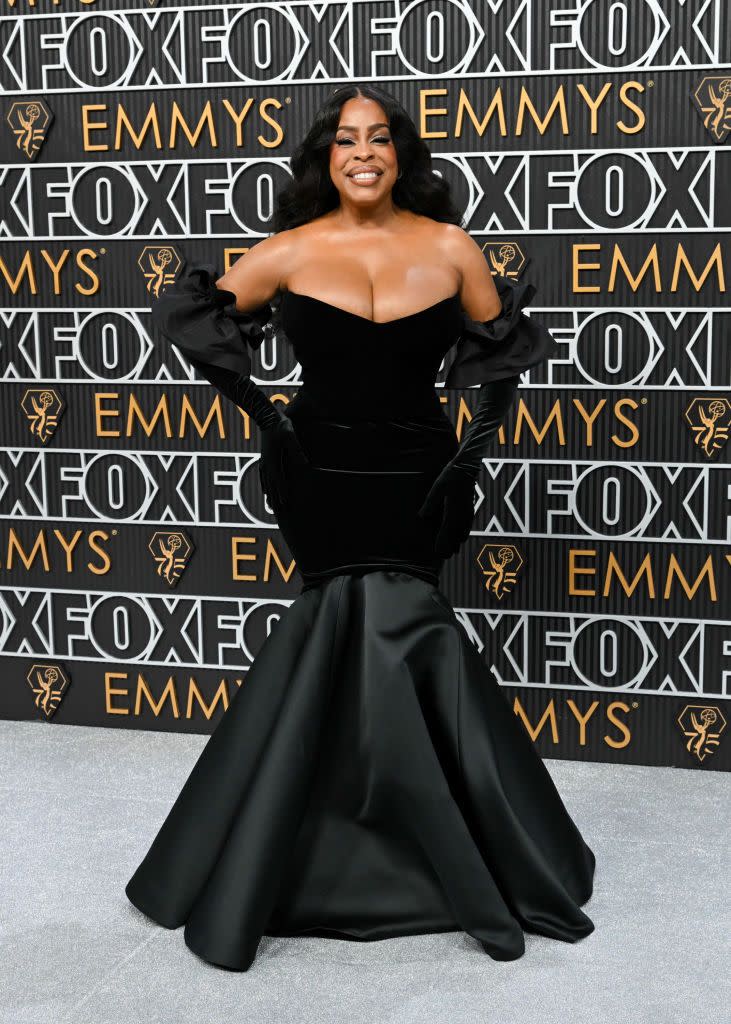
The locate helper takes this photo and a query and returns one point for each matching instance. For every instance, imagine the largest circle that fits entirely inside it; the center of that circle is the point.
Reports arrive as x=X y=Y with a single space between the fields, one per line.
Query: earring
x=398 y=176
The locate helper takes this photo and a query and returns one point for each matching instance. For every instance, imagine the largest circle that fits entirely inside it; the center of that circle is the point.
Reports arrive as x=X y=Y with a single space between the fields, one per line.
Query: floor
x=80 y=806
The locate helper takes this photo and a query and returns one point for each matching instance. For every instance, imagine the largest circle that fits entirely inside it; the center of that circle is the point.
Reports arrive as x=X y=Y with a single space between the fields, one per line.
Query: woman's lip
x=365 y=181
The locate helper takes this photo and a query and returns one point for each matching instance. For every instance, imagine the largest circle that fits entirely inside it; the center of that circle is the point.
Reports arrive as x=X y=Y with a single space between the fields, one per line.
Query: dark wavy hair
x=311 y=192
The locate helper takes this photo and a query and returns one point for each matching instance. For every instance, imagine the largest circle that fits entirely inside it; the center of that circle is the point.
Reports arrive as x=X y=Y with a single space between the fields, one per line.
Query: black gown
x=369 y=779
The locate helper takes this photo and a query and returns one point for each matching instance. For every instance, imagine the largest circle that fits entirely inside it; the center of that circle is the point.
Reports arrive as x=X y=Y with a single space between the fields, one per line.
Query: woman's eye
x=347 y=142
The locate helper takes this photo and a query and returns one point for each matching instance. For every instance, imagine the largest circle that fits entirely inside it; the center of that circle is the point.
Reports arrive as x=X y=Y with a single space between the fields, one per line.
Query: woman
x=369 y=779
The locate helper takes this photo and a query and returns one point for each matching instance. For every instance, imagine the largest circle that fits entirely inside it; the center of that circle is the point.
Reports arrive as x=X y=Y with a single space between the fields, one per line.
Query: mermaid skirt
x=369 y=778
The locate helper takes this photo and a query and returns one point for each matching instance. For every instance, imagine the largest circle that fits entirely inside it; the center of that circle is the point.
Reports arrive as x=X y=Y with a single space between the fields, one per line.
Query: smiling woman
x=351 y=157
x=375 y=119
x=370 y=778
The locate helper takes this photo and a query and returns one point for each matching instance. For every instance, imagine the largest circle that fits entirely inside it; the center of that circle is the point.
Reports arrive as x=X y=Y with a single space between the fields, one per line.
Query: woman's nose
x=364 y=149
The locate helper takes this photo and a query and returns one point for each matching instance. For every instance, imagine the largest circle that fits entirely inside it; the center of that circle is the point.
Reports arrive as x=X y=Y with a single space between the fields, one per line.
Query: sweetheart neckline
x=367 y=320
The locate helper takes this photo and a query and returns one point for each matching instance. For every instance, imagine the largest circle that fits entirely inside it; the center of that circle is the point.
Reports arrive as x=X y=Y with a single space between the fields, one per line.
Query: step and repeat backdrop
x=589 y=146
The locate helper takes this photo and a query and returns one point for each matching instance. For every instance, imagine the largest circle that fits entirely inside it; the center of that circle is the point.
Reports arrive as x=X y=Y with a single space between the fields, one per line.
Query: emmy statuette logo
x=171 y=551
x=712 y=99
x=159 y=264
x=709 y=420
x=29 y=122
x=500 y=565
x=43 y=408
x=48 y=683
x=506 y=258
x=702 y=724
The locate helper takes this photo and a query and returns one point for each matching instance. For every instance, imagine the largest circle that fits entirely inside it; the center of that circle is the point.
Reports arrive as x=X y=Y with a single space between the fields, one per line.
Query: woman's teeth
x=365 y=176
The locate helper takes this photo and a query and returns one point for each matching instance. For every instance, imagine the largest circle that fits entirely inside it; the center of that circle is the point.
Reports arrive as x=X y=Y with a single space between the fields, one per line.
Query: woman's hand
x=451 y=502
x=280 y=452
x=452 y=495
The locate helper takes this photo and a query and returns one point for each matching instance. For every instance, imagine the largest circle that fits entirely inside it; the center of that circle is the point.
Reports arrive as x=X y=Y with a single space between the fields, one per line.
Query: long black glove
x=491 y=353
x=279 y=442
x=202 y=321
x=452 y=495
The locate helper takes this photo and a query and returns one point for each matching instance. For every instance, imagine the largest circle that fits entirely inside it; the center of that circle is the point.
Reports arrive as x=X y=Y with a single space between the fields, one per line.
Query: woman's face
x=363 y=162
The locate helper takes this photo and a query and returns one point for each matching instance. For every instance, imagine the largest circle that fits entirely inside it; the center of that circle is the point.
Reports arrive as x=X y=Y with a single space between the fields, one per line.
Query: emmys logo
x=48 y=683
x=159 y=264
x=709 y=419
x=29 y=121
x=172 y=553
x=712 y=99
x=43 y=408
x=506 y=258
x=703 y=725
x=500 y=564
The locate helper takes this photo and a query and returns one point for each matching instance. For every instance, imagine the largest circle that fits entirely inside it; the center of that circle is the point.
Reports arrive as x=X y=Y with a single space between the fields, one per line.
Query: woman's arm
x=478 y=294
x=497 y=342
x=257 y=276
x=214 y=321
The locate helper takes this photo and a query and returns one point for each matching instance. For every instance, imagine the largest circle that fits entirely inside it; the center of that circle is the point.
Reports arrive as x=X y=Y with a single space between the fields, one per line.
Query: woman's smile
x=365 y=176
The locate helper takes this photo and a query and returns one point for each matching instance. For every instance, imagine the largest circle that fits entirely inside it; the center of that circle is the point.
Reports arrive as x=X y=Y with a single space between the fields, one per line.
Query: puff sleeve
x=503 y=347
x=202 y=321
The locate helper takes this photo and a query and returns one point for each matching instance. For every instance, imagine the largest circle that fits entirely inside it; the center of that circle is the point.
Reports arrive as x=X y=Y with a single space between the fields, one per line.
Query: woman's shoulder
x=453 y=242
x=277 y=244
x=453 y=237
x=291 y=245
x=263 y=269
x=458 y=248
x=291 y=249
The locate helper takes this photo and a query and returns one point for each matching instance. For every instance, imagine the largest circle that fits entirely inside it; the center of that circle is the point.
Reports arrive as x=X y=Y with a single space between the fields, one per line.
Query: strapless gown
x=369 y=778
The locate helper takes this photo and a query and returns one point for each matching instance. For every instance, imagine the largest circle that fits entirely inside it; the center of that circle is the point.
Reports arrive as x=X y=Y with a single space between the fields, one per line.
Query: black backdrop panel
x=589 y=147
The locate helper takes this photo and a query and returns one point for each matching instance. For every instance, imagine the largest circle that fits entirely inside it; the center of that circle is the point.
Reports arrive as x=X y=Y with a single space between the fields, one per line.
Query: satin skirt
x=369 y=779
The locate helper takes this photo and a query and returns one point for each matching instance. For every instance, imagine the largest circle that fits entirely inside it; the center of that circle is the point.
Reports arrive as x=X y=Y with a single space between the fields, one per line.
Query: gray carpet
x=81 y=805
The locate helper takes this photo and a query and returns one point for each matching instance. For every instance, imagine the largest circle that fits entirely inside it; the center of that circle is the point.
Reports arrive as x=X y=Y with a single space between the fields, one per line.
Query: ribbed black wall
x=589 y=144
